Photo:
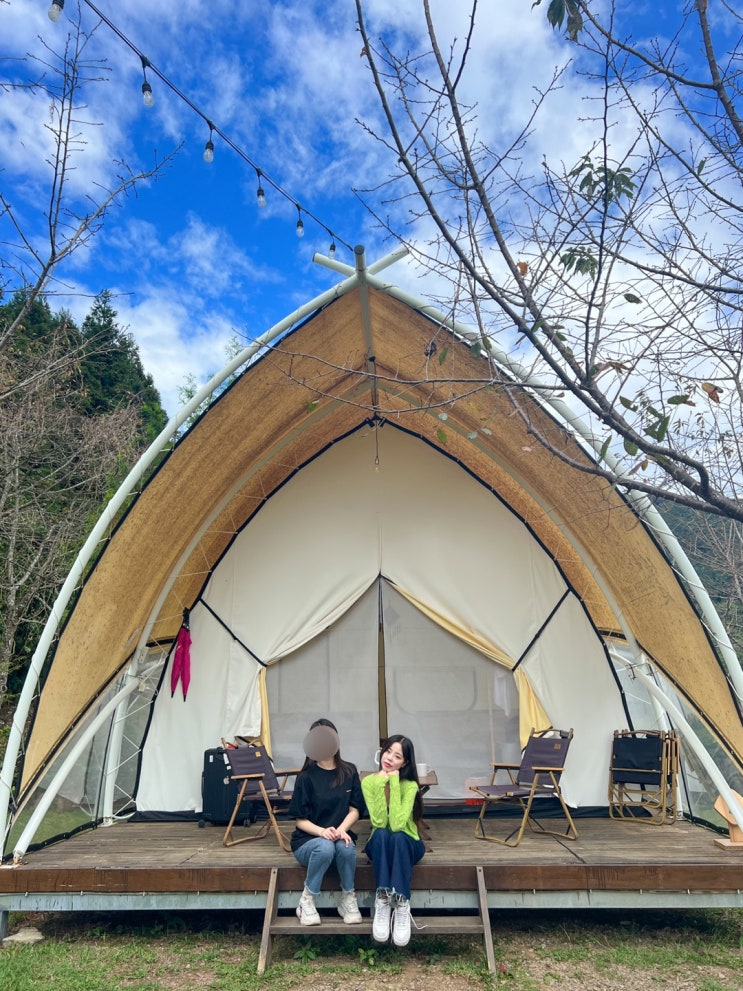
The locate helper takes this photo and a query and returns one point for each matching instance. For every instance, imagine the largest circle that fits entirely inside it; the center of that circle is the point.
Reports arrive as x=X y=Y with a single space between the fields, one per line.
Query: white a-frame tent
x=359 y=527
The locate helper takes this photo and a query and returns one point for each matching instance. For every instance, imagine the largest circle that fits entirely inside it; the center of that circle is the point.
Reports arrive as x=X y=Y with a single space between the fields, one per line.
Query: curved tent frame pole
x=127 y=487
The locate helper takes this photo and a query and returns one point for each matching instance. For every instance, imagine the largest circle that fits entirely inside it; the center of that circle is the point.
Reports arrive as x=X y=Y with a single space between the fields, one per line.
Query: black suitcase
x=218 y=792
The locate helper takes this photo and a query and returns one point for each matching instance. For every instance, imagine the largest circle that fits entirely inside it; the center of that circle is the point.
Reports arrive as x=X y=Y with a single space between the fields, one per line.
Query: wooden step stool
x=451 y=924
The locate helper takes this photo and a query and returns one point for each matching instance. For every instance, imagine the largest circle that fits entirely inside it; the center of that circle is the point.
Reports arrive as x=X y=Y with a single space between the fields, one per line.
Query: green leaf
x=604 y=449
x=441 y=434
x=658 y=430
x=628 y=404
x=677 y=400
x=630 y=447
x=312 y=406
x=631 y=298
x=443 y=355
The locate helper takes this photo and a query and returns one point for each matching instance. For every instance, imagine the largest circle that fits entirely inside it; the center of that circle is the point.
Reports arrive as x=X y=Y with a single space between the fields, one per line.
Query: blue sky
x=190 y=259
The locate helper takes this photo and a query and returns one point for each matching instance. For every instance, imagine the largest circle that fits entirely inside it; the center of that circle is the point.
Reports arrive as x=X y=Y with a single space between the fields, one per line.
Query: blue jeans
x=393 y=856
x=318 y=854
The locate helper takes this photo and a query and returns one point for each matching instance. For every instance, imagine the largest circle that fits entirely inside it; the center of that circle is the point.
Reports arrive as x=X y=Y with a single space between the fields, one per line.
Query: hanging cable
x=148 y=97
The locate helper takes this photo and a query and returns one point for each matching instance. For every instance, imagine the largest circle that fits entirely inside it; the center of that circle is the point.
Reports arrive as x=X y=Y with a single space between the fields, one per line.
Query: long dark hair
x=344 y=768
x=409 y=770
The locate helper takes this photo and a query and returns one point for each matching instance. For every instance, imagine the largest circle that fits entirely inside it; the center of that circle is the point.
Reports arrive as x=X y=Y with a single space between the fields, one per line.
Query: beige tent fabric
x=490 y=650
x=311 y=390
x=532 y=715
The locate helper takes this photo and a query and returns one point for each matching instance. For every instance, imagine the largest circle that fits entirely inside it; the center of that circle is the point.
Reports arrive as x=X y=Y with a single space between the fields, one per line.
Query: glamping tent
x=359 y=527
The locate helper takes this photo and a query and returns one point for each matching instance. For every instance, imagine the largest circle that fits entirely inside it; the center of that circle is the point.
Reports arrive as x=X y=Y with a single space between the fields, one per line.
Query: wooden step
x=423 y=925
x=450 y=924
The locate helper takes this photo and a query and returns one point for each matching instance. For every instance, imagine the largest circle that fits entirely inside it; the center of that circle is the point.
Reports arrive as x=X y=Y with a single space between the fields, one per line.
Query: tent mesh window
x=79 y=802
x=696 y=787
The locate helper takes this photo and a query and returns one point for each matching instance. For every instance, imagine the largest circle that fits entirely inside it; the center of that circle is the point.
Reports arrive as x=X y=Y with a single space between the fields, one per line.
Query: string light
x=209 y=147
x=331 y=249
x=149 y=99
x=147 y=94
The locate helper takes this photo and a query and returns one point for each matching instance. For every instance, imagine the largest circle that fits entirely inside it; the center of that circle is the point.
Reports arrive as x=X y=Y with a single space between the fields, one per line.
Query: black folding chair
x=536 y=777
x=642 y=776
x=253 y=767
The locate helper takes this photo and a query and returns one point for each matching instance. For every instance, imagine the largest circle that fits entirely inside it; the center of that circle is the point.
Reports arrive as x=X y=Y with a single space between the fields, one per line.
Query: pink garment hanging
x=181 y=670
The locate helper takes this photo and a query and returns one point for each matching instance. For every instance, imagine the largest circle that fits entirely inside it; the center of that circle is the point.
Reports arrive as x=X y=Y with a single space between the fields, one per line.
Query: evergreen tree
x=76 y=409
x=112 y=371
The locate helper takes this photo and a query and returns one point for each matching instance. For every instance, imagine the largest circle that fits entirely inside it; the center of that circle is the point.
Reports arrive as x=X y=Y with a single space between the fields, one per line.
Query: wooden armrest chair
x=260 y=782
x=642 y=776
x=536 y=777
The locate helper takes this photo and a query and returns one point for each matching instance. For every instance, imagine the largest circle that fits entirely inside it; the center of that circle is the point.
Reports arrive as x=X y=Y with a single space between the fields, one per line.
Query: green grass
x=160 y=951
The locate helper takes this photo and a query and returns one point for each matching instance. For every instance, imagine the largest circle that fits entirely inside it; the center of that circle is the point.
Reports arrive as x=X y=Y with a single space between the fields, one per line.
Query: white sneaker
x=348 y=908
x=401 y=922
x=382 y=918
x=306 y=911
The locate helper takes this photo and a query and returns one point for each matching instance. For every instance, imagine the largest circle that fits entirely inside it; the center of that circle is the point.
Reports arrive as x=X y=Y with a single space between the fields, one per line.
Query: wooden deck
x=178 y=864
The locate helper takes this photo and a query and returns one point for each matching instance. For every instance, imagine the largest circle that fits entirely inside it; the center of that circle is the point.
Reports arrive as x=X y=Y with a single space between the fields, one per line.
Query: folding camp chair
x=642 y=776
x=536 y=777
x=253 y=767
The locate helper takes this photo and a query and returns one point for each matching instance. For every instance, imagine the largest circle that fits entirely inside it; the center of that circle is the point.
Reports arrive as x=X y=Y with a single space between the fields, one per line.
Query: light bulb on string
x=260 y=194
x=147 y=95
x=209 y=146
x=55 y=10
x=300 y=222
x=331 y=249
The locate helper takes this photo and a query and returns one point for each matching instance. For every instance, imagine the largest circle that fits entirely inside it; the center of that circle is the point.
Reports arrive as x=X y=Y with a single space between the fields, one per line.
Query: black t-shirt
x=318 y=798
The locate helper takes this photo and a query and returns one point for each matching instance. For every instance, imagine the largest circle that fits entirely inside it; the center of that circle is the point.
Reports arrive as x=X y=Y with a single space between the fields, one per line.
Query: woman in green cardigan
x=394 y=803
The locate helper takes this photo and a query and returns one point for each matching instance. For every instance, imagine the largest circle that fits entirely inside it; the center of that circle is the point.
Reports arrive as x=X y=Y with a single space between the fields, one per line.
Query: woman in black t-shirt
x=327 y=801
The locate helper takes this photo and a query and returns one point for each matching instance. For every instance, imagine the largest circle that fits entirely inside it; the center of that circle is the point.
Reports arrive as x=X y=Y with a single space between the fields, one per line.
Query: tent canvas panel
x=298 y=567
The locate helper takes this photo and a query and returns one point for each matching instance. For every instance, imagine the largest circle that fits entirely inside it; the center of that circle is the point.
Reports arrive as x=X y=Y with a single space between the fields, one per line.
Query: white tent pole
x=60 y=777
x=127 y=487
x=689 y=736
